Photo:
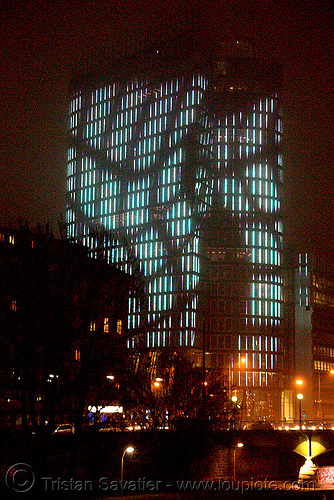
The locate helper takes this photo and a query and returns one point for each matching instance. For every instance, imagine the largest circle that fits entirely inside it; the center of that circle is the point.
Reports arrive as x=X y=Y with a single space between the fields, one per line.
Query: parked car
x=64 y=429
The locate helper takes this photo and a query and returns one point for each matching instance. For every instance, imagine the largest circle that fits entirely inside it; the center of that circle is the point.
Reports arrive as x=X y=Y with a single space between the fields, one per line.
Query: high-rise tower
x=176 y=152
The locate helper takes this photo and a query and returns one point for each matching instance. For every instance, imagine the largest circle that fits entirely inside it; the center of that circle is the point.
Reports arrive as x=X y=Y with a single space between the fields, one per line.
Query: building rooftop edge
x=181 y=54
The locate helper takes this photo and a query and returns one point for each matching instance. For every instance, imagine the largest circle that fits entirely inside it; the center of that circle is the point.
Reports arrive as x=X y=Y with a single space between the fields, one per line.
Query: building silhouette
x=314 y=336
x=175 y=153
x=63 y=315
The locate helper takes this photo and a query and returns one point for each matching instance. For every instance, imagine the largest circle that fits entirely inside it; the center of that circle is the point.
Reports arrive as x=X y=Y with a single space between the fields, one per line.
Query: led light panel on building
x=155 y=147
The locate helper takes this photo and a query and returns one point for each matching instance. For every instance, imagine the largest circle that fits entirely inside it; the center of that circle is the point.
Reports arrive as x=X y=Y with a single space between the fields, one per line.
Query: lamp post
x=234 y=401
x=319 y=395
x=204 y=383
x=300 y=397
x=129 y=449
x=238 y=445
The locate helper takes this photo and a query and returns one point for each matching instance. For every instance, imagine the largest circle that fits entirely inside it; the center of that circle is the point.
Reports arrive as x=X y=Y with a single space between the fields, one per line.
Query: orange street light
x=300 y=397
x=130 y=450
x=238 y=445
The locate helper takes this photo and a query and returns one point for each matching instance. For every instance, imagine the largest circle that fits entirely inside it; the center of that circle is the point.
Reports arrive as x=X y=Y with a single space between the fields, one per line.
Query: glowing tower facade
x=159 y=142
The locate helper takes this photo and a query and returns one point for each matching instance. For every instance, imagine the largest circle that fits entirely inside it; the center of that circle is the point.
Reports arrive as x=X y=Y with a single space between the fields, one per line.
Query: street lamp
x=234 y=400
x=300 y=397
x=238 y=445
x=129 y=449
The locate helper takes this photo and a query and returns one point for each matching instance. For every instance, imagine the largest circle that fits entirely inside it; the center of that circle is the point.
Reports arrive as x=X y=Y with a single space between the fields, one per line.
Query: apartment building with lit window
x=160 y=141
x=314 y=335
x=62 y=314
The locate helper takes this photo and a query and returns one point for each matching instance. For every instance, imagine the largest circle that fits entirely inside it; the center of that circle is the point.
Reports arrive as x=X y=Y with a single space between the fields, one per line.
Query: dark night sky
x=42 y=41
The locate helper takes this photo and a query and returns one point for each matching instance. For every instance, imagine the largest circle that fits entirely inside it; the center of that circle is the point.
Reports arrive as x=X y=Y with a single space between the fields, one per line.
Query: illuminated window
x=12 y=240
x=92 y=326
x=119 y=327
x=14 y=305
x=106 y=325
x=77 y=355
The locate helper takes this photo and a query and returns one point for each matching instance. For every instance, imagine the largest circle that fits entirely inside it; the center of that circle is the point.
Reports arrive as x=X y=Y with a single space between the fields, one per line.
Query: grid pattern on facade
x=145 y=162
